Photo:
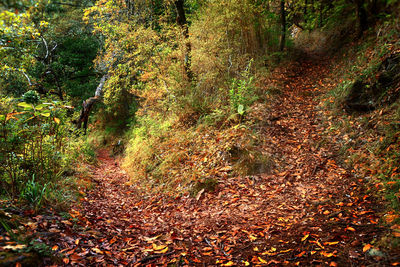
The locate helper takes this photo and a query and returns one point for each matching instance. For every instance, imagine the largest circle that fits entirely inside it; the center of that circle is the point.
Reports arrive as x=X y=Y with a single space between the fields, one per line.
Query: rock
x=25 y=259
x=364 y=96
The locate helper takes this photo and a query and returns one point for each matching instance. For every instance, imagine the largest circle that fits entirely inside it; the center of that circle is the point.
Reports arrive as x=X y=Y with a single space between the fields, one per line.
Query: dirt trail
x=309 y=211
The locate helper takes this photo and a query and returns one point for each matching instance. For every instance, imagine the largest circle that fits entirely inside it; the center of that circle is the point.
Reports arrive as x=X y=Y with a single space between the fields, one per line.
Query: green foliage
x=34 y=193
x=31 y=97
x=242 y=92
x=32 y=147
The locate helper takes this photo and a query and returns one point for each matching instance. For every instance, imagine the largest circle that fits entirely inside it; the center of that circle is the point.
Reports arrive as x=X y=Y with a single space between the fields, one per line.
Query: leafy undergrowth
x=306 y=210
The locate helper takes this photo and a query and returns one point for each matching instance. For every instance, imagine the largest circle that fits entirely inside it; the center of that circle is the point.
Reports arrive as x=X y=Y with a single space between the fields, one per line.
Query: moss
x=208 y=184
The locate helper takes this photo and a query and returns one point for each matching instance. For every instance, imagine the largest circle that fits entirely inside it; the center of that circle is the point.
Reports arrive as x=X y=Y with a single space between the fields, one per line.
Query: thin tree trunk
x=182 y=22
x=88 y=104
x=305 y=11
x=283 y=25
x=362 y=18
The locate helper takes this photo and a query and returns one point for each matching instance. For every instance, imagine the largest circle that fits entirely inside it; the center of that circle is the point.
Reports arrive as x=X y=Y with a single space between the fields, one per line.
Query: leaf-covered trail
x=309 y=210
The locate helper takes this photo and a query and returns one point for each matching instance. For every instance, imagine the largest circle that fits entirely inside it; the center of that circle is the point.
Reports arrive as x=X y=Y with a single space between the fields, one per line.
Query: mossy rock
x=25 y=259
x=250 y=162
x=208 y=184
x=364 y=96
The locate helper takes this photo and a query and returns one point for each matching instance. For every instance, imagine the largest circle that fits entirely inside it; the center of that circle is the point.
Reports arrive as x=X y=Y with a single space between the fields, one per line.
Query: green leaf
x=41 y=106
x=240 y=109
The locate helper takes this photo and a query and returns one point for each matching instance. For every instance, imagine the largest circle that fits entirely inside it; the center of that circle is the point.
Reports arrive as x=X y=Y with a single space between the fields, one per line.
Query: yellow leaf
x=229 y=263
x=262 y=260
x=56 y=120
x=156 y=247
x=305 y=237
x=162 y=251
x=246 y=263
x=14 y=247
x=252 y=237
x=285 y=251
x=97 y=250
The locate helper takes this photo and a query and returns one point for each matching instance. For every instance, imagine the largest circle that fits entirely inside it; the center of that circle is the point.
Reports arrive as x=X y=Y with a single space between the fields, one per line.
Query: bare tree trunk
x=283 y=25
x=87 y=105
x=181 y=20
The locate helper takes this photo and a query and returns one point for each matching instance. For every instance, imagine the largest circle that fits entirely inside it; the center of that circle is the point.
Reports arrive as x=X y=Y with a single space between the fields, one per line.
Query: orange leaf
x=301 y=254
x=367 y=247
x=54 y=248
x=328 y=255
x=331 y=243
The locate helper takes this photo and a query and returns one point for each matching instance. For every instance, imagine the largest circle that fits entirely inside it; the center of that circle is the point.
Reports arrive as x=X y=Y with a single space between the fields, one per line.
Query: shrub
x=32 y=147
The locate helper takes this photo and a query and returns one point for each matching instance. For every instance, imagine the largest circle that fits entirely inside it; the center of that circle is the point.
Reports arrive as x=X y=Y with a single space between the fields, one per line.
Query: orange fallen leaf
x=328 y=255
x=367 y=247
x=54 y=248
x=301 y=254
x=349 y=228
x=331 y=243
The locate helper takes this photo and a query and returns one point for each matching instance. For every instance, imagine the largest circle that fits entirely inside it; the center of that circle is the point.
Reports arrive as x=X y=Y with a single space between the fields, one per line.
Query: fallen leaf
x=97 y=250
x=162 y=251
x=262 y=260
x=156 y=247
x=305 y=237
x=14 y=247
x=229 y=263
x=367 y=247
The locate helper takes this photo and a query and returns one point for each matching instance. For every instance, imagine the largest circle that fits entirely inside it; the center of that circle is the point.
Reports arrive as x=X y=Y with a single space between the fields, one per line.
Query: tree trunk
x=362 y=18
x=321 y=10
x=87 y=105
x=283 y=25
x=305 y=11
x=182 y=22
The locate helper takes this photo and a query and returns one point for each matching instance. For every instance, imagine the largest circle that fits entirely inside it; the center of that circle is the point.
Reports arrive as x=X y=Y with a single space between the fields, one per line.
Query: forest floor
x=309 y=211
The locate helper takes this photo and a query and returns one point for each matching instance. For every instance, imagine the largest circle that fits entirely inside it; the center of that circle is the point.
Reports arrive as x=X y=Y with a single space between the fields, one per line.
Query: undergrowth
x=370 y=141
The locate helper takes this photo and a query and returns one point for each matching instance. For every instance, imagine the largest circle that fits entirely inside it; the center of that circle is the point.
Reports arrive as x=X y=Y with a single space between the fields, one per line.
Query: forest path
x=308 y=211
